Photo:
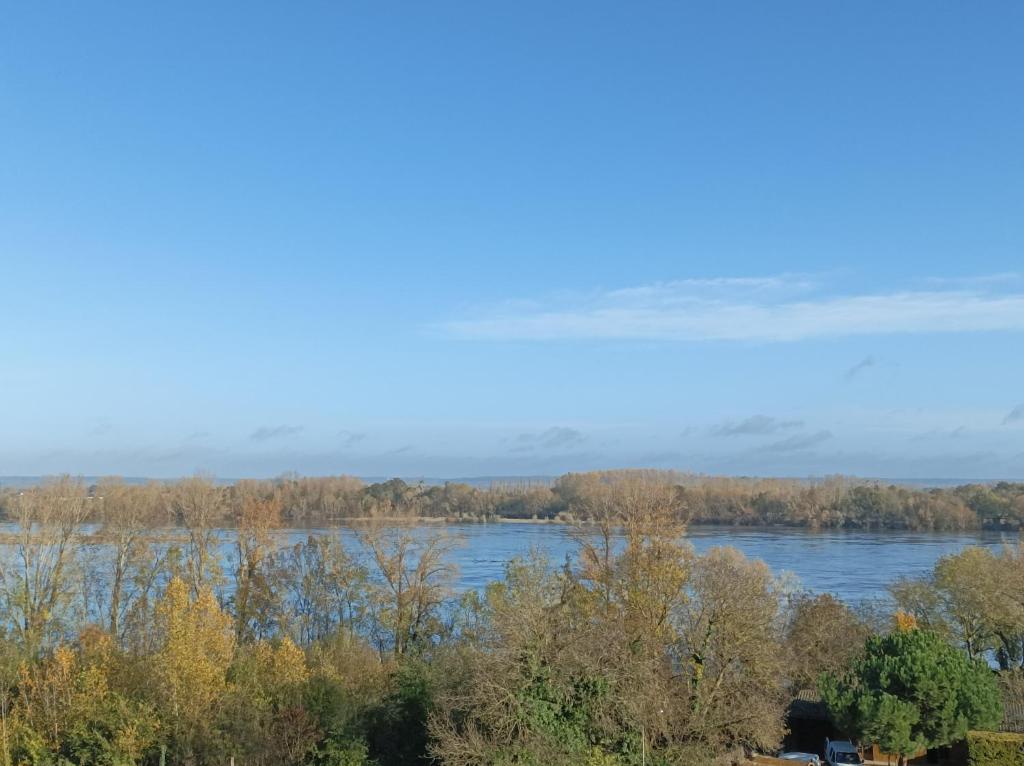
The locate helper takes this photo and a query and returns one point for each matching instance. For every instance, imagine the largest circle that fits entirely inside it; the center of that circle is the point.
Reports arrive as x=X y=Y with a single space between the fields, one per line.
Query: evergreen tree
x=912 y=690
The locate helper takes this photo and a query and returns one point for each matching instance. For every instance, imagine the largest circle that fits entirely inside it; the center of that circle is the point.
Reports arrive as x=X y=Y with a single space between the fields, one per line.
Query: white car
x=841 y=753
x=807 y=759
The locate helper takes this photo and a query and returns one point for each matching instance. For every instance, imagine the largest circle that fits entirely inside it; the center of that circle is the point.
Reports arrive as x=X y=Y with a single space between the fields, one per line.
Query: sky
x=456 y=239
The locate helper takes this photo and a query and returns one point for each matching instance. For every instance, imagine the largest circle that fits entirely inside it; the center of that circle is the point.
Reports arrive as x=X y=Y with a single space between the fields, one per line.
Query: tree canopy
x=912 y=690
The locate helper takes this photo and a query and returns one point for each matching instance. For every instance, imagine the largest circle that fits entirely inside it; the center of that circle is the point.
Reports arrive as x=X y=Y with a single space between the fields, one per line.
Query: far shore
x=455 y=520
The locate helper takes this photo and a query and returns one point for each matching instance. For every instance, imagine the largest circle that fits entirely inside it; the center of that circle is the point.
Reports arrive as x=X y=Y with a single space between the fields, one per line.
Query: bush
x=342 y=753
x=986 y=748
x=397 y=728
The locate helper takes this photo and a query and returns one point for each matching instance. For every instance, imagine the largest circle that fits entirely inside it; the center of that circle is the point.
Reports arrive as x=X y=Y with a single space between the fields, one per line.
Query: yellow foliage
x=190 y=671
x=289 y=665
x=280 y=667
x=905 y=621
x=60 y=691
x=47 y=693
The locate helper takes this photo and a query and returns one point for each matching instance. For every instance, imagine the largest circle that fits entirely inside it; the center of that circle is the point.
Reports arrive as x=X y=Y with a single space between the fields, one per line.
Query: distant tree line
x=125 y=643
x=832 y=502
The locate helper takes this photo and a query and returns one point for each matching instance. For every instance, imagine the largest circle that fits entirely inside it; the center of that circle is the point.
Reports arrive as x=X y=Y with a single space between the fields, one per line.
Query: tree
x=975 y=598
x=918 y=598
x=324 y=590
x=189 y=673
x=534 y=687
x=35 y=568
x=415 y=580
x=262 y=716
x=678 y=661
x=129 y=561
x=731 y=650
x=1005 y=606
x=823 y=635
x=967 y=583
x=256 y=518
x=67 y=709
x=912 y=690
x=348 y=681
x=199 y=506
x=630 y=542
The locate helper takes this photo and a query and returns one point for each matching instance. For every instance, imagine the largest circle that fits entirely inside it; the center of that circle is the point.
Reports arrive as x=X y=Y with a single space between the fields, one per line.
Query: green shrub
x=987 y=748
x=334 y=752
x=912 y=690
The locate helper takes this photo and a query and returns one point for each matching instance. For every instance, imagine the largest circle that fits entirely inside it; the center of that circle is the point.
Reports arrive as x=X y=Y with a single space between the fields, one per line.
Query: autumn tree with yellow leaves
x=189 y=669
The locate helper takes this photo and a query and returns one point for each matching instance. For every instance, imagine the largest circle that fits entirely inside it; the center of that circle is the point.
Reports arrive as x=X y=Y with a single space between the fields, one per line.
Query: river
x=853 y=565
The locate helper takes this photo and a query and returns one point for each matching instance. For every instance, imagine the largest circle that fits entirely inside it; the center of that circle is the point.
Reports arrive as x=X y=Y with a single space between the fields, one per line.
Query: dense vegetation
x=127 y=643
x=836 y=502
x=995 y=748
x=974 y=599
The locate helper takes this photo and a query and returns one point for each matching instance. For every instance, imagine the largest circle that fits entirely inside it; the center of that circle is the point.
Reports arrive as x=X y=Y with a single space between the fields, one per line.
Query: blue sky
x=456 y=239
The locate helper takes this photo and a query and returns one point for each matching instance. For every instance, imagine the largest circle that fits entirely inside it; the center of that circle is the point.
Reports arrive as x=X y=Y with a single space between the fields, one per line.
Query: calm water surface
x=854 y=565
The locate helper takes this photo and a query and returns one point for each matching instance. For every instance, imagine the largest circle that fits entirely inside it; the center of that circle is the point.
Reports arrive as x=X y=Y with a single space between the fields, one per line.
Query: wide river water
x=853 y=565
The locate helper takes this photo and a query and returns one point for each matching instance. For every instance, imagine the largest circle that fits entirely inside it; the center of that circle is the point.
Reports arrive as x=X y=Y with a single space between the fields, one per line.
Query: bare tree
x=415 y=578
x=823 y=635
x=35 y=572
x=199 y=507
x=631 y=552
x=731 y=653
x=324 y=590
x=129 y=558
x=256 y=517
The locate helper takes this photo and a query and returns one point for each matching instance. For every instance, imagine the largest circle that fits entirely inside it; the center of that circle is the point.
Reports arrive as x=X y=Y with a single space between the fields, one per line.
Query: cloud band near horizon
x=761 y=310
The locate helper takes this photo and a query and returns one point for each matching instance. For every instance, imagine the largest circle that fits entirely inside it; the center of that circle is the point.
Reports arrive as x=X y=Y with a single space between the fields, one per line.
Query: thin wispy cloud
x=798 y=442
x=556 y=437
x=351 y=438
x=756 y=425
x=1015 y=415
x=864 y=364
x=954 y=433
x=670 y=292
x=266 y=433
x=771 y=309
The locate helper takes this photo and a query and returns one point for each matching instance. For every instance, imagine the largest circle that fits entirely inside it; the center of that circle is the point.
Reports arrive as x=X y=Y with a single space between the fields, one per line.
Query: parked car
x=841 y=752
x=807 y=759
